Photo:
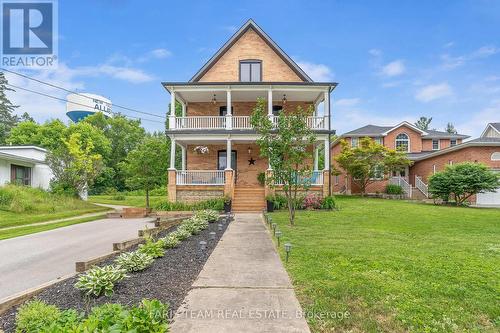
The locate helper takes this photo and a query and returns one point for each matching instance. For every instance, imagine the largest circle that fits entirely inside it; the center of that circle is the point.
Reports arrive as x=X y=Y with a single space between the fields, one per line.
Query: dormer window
x=250 y=71
x=453 y=142
x=435 y=144
x=402 y=142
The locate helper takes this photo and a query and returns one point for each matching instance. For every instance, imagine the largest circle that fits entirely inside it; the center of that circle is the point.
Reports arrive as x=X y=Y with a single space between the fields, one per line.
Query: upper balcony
x=228 y=106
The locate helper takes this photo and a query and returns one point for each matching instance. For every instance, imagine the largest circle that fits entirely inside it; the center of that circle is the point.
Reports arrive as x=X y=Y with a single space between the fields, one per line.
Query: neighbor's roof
x=12 y=157
x=23 y=147
x=496 y=126
x=374 y=130
x=250 y=24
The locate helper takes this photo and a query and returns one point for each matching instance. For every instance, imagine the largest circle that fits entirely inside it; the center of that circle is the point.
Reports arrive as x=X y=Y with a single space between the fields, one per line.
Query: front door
x=222 y=160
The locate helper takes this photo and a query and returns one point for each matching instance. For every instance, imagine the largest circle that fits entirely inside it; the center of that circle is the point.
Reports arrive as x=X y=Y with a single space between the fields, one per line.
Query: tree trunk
x=147 y=199
x=291 y=210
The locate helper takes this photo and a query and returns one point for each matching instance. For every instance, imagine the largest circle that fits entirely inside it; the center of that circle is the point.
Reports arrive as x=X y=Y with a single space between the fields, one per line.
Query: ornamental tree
x=461 y=181
x=369 y=161
x=285 y=142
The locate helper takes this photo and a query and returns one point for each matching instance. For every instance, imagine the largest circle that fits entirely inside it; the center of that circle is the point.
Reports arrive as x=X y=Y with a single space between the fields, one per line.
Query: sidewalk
x=242 y=288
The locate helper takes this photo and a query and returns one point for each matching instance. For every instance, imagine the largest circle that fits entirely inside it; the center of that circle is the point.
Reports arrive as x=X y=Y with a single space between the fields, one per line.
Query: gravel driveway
x=31 y=260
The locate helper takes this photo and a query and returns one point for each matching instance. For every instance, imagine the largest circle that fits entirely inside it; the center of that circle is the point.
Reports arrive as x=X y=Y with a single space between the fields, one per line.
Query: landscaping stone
x=168 y=279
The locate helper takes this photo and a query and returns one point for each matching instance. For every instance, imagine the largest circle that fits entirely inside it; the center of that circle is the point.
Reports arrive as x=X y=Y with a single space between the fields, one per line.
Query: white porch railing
x=241 y=122
x=316 y=178
x=423 y=187
x=200 y=177
x=238 y=122
x=403 y=183
x=200 y=122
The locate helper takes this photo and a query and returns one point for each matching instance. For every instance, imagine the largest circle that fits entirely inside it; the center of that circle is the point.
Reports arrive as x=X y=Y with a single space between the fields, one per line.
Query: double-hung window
x=250 y=71
x=453 y=142
x=435 y=144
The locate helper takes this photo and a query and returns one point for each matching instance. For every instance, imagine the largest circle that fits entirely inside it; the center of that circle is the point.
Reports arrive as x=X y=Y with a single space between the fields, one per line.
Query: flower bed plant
x=100 y=280
x=134 y=261
x=37 y=316
x=309 y=201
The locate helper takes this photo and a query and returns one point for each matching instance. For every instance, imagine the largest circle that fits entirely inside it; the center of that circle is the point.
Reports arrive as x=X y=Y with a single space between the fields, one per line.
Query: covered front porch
x=215 y=165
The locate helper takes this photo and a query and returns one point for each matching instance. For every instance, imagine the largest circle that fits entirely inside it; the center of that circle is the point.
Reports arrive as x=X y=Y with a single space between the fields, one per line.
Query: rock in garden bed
x=168 y=279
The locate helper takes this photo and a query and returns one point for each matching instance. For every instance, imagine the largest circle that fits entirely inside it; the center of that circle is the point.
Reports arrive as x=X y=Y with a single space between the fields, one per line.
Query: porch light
x=278 y=236
x=214 y=100
x=283 y=101
x=249 y=150
x=203 y=245
x=212 y=235
x=288 y=248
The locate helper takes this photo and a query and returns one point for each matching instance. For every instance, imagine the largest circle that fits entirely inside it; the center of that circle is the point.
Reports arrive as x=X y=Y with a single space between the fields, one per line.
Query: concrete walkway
x=31 y=260
x=243 y=287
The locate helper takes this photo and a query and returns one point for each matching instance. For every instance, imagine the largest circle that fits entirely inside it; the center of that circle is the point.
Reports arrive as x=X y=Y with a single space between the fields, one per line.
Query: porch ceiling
x=213 y=139
x=193 y=96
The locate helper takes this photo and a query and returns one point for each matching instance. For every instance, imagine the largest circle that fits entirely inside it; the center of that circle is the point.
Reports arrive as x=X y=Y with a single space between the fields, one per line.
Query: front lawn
x=127 y=200
x=396 y=266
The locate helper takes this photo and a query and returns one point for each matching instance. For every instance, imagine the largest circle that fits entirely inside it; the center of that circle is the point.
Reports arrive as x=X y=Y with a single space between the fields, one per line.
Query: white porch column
x=183 y=109
x=229 y=115
x=172 y=154
x=326 y=108
x=327 y=155
x=316 y=158
x=270 y=103
x=183 y=165
x=228 y=155
x=171 y=119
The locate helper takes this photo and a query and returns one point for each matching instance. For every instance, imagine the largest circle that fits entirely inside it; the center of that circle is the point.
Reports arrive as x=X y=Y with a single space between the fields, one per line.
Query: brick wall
x=239 y=108
x=250 y=46
x=415 y=138
x=425 y=168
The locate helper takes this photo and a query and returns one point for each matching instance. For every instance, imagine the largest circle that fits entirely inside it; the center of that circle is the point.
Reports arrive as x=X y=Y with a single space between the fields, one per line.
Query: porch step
x=248 y=199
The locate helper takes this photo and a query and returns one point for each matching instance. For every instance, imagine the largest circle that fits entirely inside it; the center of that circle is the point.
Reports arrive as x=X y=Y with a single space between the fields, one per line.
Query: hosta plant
x=208 y=214
x=181 y=233
x=194 y=225
x=100 y=280
x=170 y=241
x=134 y=261
x=152 y=248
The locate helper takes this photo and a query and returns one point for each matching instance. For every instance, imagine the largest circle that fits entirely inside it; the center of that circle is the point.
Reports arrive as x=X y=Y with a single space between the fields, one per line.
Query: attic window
x=495 y=156
x=250 y=71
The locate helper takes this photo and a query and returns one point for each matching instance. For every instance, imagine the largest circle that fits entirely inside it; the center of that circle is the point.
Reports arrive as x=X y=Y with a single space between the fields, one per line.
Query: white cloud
x=448 y=45
x=161 y=53
x=317 y=72
x=394 y=68
x=133 y=75
x=433 y=92
x=375 y=52
x=451 y=62
x=346 y=102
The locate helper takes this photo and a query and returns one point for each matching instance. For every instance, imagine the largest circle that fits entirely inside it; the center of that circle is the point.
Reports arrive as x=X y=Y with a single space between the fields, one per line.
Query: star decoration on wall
x=251 y=161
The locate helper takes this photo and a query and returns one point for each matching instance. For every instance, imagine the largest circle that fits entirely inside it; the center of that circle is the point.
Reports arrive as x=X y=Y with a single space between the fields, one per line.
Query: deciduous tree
x=423 y=123
x=285 y=144
x=7 y=117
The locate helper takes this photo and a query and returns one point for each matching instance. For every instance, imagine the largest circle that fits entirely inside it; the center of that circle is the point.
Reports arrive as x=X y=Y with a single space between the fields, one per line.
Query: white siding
x=491 y=133
x=4 y=172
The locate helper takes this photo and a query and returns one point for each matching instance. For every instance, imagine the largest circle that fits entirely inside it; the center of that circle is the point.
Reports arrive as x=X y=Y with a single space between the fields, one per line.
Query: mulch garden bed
x=168 y=279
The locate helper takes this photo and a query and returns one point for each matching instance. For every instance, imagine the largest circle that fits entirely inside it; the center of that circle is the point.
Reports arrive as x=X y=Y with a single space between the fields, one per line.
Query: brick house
x=219 y=153
x=430 y=152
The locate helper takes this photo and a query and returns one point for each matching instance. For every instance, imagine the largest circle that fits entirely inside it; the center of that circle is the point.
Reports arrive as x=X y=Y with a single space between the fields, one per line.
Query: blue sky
x=394 y=60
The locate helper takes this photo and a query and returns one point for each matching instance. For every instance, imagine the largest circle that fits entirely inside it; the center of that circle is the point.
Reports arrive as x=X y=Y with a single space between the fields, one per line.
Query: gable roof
x=250 y=24
x=495 y=126
x=374 y=130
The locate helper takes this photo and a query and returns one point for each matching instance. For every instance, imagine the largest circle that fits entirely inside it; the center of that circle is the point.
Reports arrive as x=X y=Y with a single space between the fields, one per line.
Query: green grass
x=11 y=233
x=396 y=266
x=128 y=200
x=21 y=205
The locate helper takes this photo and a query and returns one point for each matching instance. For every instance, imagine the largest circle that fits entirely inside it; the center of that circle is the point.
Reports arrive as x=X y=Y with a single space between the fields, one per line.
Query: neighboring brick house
x=485 y=149
x=218 y=144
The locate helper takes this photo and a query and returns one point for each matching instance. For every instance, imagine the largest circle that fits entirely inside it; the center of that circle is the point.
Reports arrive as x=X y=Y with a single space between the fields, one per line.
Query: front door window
x=222 y=160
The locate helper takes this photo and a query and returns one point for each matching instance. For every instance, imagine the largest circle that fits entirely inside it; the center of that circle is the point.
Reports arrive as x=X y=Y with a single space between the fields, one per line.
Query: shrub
x=463 y=180
x=195 y=224
x=134 y=261
x=261 y=178
x=215 y=204
x=279 y=201
x=100 y=280
x=152 y=248
x=393 y=189
x=209 y=215
x=102 y=317
x=329 y=202
x=312 y=201
x=170 y=241
x=35 y=316
x=150 y=316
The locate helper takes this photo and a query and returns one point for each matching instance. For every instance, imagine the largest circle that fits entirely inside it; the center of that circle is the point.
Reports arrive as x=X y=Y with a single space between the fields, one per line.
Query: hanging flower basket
x=201 y=150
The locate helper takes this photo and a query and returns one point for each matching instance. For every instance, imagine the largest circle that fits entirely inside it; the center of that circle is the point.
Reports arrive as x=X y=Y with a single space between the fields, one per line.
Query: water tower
x=79 y=106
